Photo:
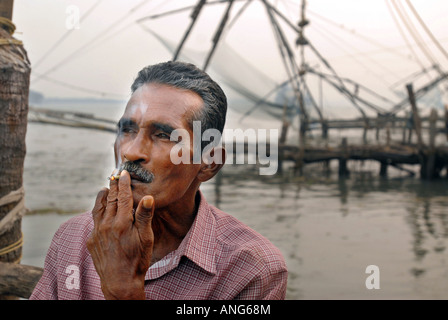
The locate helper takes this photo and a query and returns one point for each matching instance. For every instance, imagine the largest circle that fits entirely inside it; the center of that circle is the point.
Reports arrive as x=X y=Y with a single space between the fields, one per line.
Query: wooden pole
x=432 y=129
x=378 y=124
x=218 y=34
x=430 y=166
x=282 y=138
x=14 y=90
x=405 y=126
x=343 y=171
x=446 y=121
x=415 y=115
x=194 y=17
x=383 y=168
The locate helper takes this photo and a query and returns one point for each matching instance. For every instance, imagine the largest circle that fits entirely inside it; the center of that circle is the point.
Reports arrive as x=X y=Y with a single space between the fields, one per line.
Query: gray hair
x=187 y=76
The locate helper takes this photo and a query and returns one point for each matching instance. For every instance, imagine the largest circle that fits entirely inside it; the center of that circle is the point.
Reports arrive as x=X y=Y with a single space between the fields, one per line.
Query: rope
x=17 y=212
x=7 y=24
x=10 y=42
x=12 y=247
x=10 y=28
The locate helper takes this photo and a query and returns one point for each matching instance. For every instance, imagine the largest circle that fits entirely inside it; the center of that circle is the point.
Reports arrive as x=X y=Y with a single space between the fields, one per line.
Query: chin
x=138 y=193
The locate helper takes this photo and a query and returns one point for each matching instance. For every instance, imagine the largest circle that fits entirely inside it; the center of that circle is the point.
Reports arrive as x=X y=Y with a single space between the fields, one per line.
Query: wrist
x=124 y=291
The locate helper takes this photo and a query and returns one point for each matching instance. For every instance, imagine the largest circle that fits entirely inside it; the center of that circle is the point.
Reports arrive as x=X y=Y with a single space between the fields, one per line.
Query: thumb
x=144 y=214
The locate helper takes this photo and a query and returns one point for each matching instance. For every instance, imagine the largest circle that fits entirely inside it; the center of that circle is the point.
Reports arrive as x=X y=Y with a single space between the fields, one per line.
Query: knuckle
x=119 y=228
x=104 y=228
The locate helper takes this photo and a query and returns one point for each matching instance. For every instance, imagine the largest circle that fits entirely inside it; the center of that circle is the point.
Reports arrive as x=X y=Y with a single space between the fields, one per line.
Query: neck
x=171 y=225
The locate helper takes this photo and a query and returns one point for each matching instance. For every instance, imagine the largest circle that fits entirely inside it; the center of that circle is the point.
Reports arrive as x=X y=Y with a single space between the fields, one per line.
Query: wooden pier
x=416 y=144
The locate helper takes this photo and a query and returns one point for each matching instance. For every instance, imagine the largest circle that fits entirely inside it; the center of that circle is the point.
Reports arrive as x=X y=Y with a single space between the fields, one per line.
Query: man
x=152 y=234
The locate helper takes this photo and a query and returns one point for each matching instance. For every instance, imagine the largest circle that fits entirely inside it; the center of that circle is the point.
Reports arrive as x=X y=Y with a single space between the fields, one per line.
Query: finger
x=100 y=205
x=144 y=215
x=112 y=199
x=125 y=198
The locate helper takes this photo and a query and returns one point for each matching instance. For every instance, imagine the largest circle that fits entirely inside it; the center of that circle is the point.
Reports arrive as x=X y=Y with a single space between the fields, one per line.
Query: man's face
x=151 y=114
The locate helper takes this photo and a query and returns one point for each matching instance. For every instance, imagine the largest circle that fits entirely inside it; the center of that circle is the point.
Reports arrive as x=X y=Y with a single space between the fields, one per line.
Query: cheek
x=175 y=178
x=118 y=151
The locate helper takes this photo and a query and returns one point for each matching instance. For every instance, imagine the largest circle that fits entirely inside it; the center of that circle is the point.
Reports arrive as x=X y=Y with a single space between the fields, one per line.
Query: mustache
x=138 y=171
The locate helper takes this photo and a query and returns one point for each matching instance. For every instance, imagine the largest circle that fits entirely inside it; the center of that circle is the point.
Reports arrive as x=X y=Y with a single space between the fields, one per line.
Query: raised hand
x=121 y=243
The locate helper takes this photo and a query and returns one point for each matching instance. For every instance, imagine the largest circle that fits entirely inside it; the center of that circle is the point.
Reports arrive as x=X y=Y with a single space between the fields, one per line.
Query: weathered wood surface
x=14 y=89
x=18 y=280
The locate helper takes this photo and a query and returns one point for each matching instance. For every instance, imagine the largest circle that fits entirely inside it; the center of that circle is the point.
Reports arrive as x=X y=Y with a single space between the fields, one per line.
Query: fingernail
x=148 y=202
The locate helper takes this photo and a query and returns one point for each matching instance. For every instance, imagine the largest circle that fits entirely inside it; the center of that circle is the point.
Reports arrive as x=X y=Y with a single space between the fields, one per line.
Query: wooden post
x=415 y=115
x=429 y=169
x=388 y=138
x=383 y=168
x=282 y=139
x=385 y=164
x=325 y=129
x=364 y=134
x=411 y=129
x=343 y=171
x=446 y=121
x=378 y=124
x=302 y=143
x=432 y=129
x=405 y=128
x=14 y=89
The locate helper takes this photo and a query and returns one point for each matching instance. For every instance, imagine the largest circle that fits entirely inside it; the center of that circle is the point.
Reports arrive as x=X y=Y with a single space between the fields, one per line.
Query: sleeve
x=47 y=287
x=269 y=284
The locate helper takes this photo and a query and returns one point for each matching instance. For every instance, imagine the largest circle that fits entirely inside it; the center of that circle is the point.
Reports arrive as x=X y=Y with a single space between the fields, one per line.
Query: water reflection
x=429 y=224
x=330 y=229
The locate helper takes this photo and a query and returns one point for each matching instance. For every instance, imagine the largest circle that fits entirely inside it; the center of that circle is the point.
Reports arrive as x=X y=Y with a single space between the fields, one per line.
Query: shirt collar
x=199 y=245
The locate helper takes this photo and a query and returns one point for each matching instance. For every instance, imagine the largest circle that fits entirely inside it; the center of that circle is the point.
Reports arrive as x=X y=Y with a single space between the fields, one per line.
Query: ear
x=212 y=162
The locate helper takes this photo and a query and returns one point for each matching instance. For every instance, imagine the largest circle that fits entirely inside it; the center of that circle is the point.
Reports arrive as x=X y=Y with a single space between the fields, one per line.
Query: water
x=329 y=230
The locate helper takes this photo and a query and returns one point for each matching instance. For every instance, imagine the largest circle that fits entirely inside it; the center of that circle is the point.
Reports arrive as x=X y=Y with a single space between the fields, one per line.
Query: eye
x=127 y=126
x=126 y=130
x=162 y=135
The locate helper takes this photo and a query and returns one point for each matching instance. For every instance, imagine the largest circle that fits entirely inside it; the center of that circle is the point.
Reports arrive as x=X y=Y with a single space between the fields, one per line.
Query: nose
x=137 y=149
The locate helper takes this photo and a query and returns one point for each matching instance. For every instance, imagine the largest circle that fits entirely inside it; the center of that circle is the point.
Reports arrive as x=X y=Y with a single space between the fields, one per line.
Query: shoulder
x=75 y=229
x=69 y=242
x=245 y=244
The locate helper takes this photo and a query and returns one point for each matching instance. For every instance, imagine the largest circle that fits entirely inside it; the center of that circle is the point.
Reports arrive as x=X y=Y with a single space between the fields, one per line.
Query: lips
x=135 y=177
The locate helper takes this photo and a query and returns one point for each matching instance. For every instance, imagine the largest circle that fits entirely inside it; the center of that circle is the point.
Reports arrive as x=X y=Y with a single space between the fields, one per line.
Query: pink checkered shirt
x=220 y=258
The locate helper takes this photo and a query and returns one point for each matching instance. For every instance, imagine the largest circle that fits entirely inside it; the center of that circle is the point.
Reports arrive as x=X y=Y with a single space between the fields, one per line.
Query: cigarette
x=115 y=175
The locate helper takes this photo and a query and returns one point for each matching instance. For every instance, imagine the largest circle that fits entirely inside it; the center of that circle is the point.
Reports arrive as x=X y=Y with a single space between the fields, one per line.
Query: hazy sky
x=102 y=51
